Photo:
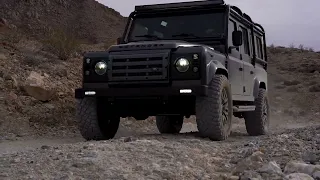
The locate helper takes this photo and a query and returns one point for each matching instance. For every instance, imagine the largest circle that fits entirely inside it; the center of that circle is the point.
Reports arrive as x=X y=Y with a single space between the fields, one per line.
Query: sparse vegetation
x=291 y=46
x=11 y=36
x=63 y=44
x=291 y=83
x=301 y=47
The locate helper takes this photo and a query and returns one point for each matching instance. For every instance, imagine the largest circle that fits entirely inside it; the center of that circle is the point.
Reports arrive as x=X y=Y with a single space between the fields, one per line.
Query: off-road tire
x=211 y=113
x=94 y=122
x=169 y=124
x=258 y=122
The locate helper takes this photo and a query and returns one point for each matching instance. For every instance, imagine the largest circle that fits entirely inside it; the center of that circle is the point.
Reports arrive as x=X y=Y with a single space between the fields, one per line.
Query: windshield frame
x=162 y=13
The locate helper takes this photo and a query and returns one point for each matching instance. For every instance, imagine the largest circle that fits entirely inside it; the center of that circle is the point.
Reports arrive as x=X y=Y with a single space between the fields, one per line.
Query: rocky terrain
x=38 y=134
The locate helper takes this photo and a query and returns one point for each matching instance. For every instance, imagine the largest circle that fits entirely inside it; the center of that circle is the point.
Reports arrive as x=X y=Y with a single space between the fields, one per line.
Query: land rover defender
x=175 y=60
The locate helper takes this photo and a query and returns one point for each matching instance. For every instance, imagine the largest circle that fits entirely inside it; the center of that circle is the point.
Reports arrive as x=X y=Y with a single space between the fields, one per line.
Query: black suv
x=202 y=58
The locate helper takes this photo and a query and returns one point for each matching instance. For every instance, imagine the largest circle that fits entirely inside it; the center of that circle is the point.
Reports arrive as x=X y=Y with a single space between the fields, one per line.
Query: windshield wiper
x=185 y=35
x=149 y=36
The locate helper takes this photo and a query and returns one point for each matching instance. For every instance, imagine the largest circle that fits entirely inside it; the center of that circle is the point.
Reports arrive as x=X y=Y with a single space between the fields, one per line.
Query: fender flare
x=215 y=67
x=257 y=85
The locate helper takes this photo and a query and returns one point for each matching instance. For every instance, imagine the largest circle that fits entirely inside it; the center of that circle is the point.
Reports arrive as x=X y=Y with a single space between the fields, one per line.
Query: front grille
x=138 y=67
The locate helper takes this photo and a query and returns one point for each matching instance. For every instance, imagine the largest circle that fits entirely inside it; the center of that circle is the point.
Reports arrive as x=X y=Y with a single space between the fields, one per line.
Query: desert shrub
x=10 y=35
x=311 y=49
x=291 y=46
x=61 y=43
x=301 y=47
x=291 y=83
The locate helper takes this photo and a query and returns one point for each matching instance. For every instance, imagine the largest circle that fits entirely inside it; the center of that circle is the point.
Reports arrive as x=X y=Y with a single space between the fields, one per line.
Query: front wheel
x=214 y=112
x=257 y=122
x=94 y=122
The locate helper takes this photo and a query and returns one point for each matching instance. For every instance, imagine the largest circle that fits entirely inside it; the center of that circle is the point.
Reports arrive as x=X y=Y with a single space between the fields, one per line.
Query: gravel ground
x=184 y=156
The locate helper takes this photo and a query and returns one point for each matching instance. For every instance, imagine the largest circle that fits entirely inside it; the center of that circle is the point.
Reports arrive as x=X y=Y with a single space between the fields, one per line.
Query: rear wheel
x=257 y=122
x=94 y=122
x=214 y=112
x=169 y=124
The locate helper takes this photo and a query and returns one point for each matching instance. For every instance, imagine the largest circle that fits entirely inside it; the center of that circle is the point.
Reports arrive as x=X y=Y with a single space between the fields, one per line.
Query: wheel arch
x=258 y=83
x=215 y=67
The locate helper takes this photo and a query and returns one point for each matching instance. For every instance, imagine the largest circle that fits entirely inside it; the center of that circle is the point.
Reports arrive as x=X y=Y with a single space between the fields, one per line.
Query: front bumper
x=177 y=88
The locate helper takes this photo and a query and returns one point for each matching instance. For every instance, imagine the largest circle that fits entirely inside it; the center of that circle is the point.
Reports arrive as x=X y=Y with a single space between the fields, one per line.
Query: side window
x=232 y=27
x=245 y=40
x=259 y=47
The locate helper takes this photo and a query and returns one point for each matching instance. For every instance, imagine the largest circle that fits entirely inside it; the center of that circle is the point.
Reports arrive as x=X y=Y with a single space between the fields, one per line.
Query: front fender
x=260 y=81
x=213 y=67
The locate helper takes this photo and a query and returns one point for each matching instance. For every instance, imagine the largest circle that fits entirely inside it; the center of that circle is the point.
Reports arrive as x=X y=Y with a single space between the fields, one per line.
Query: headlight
x=182 y=65
x=101 y=68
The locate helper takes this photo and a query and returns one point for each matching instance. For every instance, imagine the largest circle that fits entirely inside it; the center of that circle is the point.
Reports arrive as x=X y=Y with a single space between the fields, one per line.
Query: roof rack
x=191 y=4
x=246 y=17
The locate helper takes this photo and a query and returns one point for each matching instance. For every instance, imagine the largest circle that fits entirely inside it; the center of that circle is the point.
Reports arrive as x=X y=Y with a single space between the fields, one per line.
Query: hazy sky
x=285 y=21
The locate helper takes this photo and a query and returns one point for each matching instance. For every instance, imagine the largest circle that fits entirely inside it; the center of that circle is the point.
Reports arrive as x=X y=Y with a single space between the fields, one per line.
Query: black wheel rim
x=265 y=114
x=225 y=108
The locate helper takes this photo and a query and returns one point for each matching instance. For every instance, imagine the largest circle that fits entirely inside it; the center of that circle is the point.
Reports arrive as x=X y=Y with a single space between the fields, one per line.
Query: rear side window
x=259 y=47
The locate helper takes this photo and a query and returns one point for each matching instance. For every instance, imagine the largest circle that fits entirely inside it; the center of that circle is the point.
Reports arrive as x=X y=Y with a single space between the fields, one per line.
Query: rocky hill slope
x=89 y=20
x=44 y=117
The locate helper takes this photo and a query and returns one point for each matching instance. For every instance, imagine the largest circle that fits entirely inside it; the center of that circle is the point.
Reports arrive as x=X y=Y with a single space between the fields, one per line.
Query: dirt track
x=148 y=155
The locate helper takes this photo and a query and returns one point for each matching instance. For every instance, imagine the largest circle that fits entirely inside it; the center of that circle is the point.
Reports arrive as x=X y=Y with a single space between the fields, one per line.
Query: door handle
x=240 y=69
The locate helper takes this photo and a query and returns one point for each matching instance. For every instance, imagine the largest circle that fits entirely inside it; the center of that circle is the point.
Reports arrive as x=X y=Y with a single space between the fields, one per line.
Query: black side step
x=243 y=108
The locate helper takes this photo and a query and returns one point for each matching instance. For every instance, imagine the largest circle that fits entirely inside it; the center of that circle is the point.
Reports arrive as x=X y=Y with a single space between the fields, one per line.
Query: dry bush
x=291 y=46
x=291 y=83
x=301 y=47
x=61 y=43
x=311 y=49
x=11 y=36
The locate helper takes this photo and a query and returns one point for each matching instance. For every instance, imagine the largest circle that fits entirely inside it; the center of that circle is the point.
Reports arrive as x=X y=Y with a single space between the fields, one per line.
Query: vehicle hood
x=152 y=45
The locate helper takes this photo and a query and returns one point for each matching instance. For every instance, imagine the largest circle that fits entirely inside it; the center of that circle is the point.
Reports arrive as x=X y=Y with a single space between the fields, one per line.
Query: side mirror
x=237 y=38
x=119 y=39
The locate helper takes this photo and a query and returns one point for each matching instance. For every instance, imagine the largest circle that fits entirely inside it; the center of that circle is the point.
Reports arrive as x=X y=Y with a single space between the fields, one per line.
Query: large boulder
x=39 y=87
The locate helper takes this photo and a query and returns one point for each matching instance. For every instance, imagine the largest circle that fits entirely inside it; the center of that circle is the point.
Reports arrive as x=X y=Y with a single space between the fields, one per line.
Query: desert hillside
x=88 y=20
x=37 y=125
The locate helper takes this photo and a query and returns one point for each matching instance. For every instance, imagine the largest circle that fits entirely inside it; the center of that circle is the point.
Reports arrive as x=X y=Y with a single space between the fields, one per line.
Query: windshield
x=177 y=26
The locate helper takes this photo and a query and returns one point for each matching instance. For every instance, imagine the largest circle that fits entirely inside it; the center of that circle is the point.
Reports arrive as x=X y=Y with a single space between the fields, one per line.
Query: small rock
x=46 y=75
x=3 y=22
x=233 y=178
x=45 y=147
x=127 y=139
x=4 y=175
x=69 y=156
x=16 y=160
x=82 y=164
x=271 y=168
x=2 y=57
x=49 y=106
x=91 y=154
x=252 y=162
x=298 y=176
x=252 y=175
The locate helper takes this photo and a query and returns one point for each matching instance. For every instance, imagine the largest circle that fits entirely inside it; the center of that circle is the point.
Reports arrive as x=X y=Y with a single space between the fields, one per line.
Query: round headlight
x=100 y=68
x=182 y=65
